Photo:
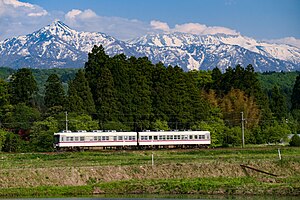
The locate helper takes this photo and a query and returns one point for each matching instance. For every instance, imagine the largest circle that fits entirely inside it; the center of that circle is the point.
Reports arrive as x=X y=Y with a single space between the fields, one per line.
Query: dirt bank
x=78 y=176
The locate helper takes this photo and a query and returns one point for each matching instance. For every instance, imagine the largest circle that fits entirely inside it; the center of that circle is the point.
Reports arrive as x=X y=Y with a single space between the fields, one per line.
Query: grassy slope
x=214 y=171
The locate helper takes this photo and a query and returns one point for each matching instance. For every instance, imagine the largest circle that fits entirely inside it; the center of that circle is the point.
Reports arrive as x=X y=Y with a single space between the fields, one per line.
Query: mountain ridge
x=57 y=45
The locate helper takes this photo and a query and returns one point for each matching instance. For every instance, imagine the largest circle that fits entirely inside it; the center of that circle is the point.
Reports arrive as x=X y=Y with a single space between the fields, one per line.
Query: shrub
x=295 y=141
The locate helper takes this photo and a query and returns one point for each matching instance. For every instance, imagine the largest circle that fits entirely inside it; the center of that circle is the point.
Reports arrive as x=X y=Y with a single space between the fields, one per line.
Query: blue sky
x=126 y=19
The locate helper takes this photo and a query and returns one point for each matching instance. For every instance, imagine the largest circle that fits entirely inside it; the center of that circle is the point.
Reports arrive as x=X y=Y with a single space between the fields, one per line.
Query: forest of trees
x=123 y=93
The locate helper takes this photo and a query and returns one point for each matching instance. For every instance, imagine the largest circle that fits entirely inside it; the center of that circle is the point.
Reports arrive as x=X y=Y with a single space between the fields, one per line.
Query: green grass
x=121 y=158
x=205 y=186
x=46 y=191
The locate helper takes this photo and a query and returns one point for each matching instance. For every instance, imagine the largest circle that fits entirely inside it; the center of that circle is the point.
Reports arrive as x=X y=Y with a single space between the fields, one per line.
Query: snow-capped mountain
x=209 y=51
x=57 y=45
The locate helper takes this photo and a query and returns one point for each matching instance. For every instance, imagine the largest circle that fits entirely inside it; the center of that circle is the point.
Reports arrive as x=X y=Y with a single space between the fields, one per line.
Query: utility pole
x=66 y=120
x=243 y=136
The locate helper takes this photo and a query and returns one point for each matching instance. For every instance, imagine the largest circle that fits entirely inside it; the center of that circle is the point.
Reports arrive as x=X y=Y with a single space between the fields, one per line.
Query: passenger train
x=130 y=140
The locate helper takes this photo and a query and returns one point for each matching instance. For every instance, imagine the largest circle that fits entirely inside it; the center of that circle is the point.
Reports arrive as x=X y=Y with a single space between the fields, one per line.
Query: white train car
x=174 y=138
x=96 y=138
x=146 y=139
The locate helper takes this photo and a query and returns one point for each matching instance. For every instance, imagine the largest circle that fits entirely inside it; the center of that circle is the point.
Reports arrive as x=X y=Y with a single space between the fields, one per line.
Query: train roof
x=114 y=132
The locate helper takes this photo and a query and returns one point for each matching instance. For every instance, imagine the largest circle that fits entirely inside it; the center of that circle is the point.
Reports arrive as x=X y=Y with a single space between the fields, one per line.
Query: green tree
x=82 y=122
x=276 y=132
x=295 y=141
x=80 y=96
x=23 y=86
x=21 y=117
x=120 y=70
x=278 y=103
x=4 y=94
x=160 y=125
x=140 y=82
x=160 y=93
x=54 y=92
x=101 y=83
x=233 y=136
x=115 y=125
x=41 y=136
x=105 y=96
x=296 y=94
x=3 y=134
x=13 y=143
x=4 y=100
x=97 y=59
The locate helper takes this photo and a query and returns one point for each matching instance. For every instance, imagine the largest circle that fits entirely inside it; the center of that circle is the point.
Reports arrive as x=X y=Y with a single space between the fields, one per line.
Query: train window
x=76 y=138
x=196 y=137
x=95 y=138
x=115 y=138
x=164 y=137
x=81 y=138
x=144 y=137
x=171 y=137
x=160 y=137
x=104 y=138
x=120 y=137
x=184 y=137
x=150 y=137
x=71 y=138
x=168 y=137
x=62 y=139
x=191 y=137
x=56 y=139
x=155 y=137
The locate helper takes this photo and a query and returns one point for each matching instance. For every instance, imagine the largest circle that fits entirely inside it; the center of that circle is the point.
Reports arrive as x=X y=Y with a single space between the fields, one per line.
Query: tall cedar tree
x=54 y=92
x=160 y=93
x=97 y=59
x=140 y=83
x=105 y=96
x=4 y=97
x=277 y=103
x=119 y=68
x=74 y=101
x=296 y=94
x=102 y=84
x=79 y=94
x=23 y=86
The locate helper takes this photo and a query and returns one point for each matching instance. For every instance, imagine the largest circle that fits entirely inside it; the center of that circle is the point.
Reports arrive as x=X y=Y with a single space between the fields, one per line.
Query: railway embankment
x=212 y=171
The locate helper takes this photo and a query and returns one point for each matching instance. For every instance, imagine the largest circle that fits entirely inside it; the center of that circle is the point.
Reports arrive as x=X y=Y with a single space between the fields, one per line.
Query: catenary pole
x=66 y=121
x=243 y=135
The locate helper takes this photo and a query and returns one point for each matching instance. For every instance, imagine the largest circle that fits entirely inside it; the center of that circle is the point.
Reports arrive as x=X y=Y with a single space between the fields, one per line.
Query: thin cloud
x=121 y=28
x=193 y=28
x=158 y=25
x=287 y=40
x=15 y=8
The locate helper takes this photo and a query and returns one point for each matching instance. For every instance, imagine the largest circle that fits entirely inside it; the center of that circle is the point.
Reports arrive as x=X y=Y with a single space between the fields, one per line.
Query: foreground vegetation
x=207 y=171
